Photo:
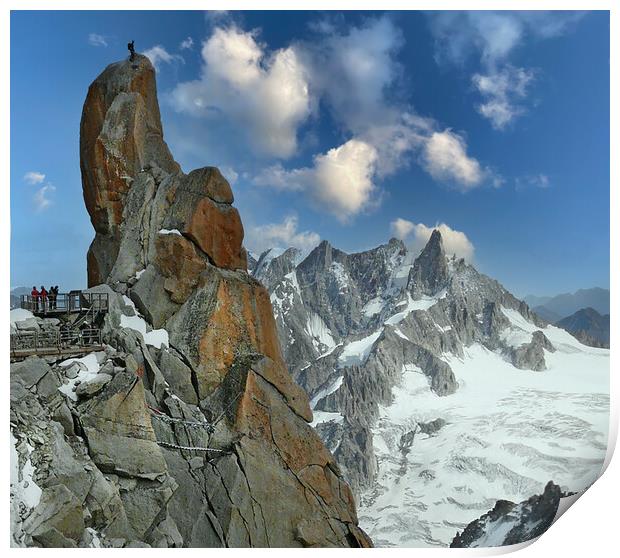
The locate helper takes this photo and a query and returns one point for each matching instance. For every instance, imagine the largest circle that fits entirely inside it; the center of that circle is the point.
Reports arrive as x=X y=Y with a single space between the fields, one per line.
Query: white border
x=590 y=527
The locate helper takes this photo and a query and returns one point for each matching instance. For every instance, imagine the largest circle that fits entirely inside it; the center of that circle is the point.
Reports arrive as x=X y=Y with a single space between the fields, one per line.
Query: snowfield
x=411 y=305
x=156 y=337
x=357 y=352
x=509 y=432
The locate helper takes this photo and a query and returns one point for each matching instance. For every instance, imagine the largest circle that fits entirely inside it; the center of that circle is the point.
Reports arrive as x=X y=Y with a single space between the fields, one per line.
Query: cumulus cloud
x=158 y=54
x=417 y=235
x=264 y=94
x=445 y=158
x=281 y=236
x=34 y=177
x=343 y=180
x=353 y=70
x=502 y=91
x=186 y=44
x=96 y=40
x=41 y=197
x=401 y=228
x=494 y=36
x=340 y=182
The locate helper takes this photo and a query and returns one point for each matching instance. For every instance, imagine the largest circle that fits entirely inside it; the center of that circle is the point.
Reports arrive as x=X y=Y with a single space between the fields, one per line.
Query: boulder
x=30 y=371
x=29 y=324
x=94 y=386
x=118 y=428
x=57 y=520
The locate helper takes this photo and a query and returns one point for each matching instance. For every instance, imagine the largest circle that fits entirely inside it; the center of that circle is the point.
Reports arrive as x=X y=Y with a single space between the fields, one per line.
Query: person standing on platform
x=43 y=295
x=34 y=305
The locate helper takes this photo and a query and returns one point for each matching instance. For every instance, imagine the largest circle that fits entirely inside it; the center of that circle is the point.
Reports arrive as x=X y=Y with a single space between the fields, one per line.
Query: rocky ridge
x=509 y=523
x=349 y=324
x=188 y=430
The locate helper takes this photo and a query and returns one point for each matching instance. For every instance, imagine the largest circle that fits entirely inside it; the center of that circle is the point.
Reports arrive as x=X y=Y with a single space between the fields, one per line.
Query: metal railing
x=74 y=301
x=60 y=340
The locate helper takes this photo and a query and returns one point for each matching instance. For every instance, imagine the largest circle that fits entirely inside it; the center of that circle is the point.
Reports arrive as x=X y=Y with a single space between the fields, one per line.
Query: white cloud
x=96 y=40
x=281 y=236
x=353 y=71
x=454 y=242
x=534 y=181
x=34 y=177
x=401 y=228
x=340 y=182
x=265 y=95
x=41 y=199
x=445 y=158
x=494 y=36
x=502 y=92
x=159 y=54
x=187 y=43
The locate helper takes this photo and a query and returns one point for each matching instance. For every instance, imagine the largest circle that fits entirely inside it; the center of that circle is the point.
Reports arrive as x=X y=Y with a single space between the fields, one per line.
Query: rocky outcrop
x=189 y=430
x=531 y=356
x=120 y=132
x=509 y=523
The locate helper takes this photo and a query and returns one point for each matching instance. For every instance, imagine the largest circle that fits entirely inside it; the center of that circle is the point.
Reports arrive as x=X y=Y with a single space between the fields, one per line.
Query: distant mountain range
x=587 y=325
x=584 y=313
x=555 y=308
x=16 y=293
x=426 y=378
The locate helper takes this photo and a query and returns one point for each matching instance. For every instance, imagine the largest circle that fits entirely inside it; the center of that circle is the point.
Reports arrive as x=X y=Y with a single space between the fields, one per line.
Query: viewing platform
x=79 y=313
x=65 y=303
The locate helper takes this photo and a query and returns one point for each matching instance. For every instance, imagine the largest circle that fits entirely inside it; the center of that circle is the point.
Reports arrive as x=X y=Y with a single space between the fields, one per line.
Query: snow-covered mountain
x=437 y=390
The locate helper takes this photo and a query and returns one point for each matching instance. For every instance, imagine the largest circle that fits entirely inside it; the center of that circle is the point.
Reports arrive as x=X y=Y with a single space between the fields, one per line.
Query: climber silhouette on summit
x=132 y=52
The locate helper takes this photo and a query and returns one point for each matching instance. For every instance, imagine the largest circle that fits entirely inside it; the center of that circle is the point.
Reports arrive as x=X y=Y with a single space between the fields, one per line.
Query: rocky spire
x=429 y=273
x=120 y=132
x=172 y=243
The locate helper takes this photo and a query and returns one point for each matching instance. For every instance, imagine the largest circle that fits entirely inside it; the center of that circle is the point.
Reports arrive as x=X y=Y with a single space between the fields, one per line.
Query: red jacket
x=43 y=293
x=34 y=293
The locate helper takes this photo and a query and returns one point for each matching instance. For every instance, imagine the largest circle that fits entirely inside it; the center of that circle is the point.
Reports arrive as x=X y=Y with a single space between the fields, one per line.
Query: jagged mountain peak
x=430 y=272
x=274 y=264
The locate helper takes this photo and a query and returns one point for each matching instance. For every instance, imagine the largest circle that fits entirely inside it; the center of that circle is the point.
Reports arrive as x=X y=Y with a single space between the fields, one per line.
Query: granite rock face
x=189 y=429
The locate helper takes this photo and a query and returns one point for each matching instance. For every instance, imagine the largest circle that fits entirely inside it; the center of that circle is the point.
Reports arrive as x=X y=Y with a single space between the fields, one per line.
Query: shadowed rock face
x=509 y=523
x=172 y=243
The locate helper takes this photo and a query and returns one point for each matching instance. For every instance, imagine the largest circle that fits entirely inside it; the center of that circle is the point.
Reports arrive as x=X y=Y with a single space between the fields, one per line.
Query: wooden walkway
x=21 y=354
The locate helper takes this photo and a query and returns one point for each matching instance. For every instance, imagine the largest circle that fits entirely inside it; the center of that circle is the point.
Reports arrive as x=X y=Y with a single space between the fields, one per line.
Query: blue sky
x=351 y=127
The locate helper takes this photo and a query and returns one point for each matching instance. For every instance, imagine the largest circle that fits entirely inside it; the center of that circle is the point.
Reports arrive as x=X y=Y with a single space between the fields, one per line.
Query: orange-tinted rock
x=242 y=323
x=181 y=265
x=209 y=181
x=217 y=230
x=120 y=132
